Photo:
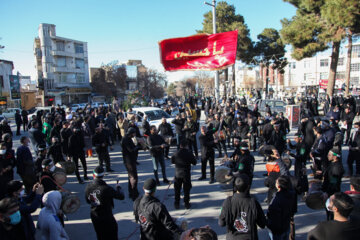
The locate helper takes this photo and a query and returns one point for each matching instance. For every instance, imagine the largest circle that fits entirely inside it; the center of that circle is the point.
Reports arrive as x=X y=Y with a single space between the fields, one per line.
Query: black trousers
x=75 y=158
x=29 y=181
x=193 y=147
x=130 y=165
x=105 y=227
x=221 y=144
x=353 y=156
x=103 y=156
x=185 y=183
x=18 y=126
x=204 y=161
x=25 y=125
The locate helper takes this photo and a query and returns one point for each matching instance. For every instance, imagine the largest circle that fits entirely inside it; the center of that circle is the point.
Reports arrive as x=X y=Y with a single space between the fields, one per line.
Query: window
x=292 y=65
x=324 y=62
x=61 y=61
x=63 y=77
x=341 y=62
x=354 y=81
x=60 y=46
x=79 y=63
x=355 y=53
x=324 y=75
x=80 y=78
x=79 y=48
x=355 y=67
x=340 y=75
x=2 y=81
x=306 y=64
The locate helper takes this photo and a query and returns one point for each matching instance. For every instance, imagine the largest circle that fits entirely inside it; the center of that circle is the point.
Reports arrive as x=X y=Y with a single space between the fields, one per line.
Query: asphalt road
x=206 y=199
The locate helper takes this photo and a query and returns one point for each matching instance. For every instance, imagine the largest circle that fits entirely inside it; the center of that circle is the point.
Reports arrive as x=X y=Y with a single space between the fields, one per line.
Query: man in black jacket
x=18 y=122
x=347 y=119
x=157 y=145
x=245 y=163
x=179 y=122
x=65 y=134
x=278 y=138
x=166 y=132
x=100 y=196
x=190 y=129
x=55 y=152
x=354 y=151
x=101 y=141
x=153 y=217
x=241 y=213
x=36 y=136
x=183 y=159
x=342 y=227
x=76 y=152
x=282 y=208
x=129 y=151
x=25 y=165
x=207 y=144
x=354 y=193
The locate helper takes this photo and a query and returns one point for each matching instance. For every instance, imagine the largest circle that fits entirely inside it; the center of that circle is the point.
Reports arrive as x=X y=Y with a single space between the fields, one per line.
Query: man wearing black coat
x=101 y=142
x=354 y=151
x=25 y=165
x=166 y=132
x=129 y=151
x=18 y=122
x=179 y=122
x=36 y=136
x=278 y=138
x=241 y=213
x=347 y=119
x=24 y=115
x=100 y=196
x=153 y=217
x=282 y=209
x=183 y=159
x=65 y=134
x=190 y=129
x=207 y=144
x=76 y=152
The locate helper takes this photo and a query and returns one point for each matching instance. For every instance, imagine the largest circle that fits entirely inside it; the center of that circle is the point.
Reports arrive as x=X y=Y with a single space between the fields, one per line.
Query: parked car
x=276 y=106
x=153 y=114
x=46 y=109
x=9 y=113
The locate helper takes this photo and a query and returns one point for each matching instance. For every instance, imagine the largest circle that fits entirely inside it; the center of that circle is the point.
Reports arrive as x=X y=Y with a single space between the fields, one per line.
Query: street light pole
x=213 y=5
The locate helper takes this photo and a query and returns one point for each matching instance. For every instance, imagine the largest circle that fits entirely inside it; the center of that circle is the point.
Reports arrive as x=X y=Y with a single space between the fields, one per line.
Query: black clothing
x=18 y=122
x=155 y=141
x=37 y=138
x=55 y=152
x=155 y=221
x=278 y=139
x=129 y=151
x=179 y=125
x=146 y=127
x=207 y=153
x=14 y=233
x=335 y=230
x=183 y=159
x=245 y=165
x=355 y=213
x=354 y=153
x=65 y=134
x=76 y=152
x=240 y=214
x=332 y=178
x=165 y=131
x=48 y=181
x=280 y=211
x=190 y=129
x=300 y=157
x=101 y=142
x=100 y=196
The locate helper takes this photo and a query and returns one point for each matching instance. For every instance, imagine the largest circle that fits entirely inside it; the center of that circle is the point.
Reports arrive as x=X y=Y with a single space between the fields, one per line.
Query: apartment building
x=62 y=67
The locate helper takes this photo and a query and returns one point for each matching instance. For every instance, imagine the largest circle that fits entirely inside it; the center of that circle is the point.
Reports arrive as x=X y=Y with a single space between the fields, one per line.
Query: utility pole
x=213 y=5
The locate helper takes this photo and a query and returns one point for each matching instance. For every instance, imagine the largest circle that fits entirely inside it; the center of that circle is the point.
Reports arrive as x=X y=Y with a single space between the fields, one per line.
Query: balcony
x=67 y=70
x=62 y=53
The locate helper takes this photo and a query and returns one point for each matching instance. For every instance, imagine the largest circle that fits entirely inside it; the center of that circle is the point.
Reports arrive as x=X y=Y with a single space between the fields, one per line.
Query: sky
x=119 y=29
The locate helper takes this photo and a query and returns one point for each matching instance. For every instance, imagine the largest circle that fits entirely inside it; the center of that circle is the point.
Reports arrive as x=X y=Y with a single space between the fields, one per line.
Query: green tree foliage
x=270 y=49
x=228 y=20
x=318 y=25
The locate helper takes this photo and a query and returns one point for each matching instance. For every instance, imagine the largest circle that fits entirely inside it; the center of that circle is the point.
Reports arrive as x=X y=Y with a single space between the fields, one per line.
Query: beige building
x=62 y=67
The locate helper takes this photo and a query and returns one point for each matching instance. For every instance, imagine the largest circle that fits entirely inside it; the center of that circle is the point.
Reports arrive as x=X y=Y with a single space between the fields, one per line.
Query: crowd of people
x=233 y=129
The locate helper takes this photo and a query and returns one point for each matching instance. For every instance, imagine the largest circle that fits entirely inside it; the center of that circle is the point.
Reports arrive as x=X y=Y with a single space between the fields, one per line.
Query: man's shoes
x=187 y=205
x=176 y=205
x=211 y=181
x=166 y=181
x=110 y=170
x=158 y=183
x=201 y=178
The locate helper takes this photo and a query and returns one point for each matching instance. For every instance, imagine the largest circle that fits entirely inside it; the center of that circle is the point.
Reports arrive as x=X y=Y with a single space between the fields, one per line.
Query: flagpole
x=213 y=5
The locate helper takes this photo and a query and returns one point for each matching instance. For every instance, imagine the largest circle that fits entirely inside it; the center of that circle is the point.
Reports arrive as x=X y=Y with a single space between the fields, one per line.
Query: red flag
x=199 y=52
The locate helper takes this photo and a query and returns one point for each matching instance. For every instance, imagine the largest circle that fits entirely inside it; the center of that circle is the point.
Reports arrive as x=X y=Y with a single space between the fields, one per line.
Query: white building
x=6 y=68
x=314 y=71
x=62 y=65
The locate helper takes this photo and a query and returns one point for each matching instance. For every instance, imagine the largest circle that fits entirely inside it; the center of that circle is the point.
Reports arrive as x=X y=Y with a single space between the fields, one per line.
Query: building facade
x=62 y=67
